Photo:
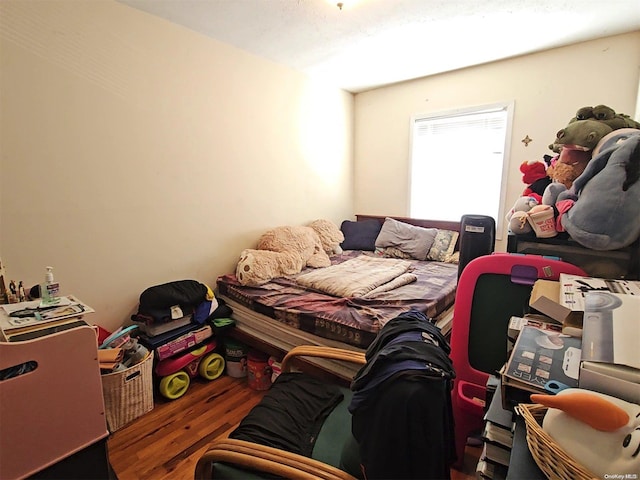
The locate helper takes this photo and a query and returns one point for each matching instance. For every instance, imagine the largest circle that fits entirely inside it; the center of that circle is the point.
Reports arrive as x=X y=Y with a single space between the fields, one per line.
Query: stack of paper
x=109 y=358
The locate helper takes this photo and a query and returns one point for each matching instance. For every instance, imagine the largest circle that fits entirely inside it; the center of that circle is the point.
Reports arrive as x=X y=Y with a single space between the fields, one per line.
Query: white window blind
x=457 y=163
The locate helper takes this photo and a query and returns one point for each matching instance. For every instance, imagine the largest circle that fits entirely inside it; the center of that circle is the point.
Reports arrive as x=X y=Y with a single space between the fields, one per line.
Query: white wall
x=136 y=152
x=547 y=88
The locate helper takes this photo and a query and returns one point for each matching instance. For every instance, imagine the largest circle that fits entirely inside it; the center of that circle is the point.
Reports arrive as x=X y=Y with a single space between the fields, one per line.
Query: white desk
x=60 y=318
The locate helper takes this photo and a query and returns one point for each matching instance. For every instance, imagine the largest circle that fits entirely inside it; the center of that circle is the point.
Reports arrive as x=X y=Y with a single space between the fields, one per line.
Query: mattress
x=353 y=321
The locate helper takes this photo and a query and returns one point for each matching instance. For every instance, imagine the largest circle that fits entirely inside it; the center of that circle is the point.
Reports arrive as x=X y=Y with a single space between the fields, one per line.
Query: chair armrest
x=322 y=352
x=265 y=459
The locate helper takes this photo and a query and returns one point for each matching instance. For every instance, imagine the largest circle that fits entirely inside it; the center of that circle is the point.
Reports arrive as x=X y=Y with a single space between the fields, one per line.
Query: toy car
x=176 y=372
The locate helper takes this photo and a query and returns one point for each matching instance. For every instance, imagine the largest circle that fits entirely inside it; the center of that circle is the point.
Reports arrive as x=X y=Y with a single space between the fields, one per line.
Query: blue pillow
x=360 y=235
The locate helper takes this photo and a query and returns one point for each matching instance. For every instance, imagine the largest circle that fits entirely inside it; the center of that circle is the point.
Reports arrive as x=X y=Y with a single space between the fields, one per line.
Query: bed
x=283 y=313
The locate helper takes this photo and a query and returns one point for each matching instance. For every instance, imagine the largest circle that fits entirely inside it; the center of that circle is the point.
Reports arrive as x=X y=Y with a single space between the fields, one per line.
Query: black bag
x=156 y=302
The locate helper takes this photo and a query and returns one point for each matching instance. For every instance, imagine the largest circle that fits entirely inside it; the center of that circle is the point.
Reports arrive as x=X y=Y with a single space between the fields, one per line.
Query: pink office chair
x=491 y=289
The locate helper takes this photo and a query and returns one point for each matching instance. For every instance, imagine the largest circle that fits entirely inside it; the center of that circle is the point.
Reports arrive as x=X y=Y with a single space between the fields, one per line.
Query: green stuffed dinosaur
x=575 y=144
x=599 y=113
x=607 y=115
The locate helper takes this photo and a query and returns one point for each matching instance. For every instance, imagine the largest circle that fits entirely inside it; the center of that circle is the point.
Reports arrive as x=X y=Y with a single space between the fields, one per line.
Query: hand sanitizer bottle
x=50 y=289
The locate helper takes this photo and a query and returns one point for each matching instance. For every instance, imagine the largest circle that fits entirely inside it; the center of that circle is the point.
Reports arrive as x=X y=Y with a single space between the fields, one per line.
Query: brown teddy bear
x=257 y=267
x=287 y=250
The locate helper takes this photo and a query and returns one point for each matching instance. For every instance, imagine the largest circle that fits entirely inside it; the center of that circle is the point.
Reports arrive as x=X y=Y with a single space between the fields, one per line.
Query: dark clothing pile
x=291 y=415
x=401 y=408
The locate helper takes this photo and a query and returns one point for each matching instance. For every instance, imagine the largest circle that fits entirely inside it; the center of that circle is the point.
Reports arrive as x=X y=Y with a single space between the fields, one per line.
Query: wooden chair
x=233 y=458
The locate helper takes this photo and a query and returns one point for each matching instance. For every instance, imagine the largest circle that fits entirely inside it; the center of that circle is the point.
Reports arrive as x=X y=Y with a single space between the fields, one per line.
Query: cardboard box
x=610 y=362
x=517 y=323
x=564 y=300
x=540 y=357
x=616 y=380
x=574 y=288
x=612 y=329
x=545 y=297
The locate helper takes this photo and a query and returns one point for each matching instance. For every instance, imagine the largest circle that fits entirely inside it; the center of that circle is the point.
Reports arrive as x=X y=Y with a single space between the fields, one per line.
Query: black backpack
x=158 y=303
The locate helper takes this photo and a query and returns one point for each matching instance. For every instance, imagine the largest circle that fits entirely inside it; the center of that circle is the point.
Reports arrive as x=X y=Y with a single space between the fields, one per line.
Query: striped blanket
x=362 y=276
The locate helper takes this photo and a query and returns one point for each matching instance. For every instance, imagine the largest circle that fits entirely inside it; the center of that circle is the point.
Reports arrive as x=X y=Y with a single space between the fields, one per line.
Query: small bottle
x=21 y=293
x=50 y=289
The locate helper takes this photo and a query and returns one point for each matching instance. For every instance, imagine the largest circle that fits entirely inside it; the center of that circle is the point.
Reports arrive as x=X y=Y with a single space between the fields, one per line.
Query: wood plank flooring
x=167 y=442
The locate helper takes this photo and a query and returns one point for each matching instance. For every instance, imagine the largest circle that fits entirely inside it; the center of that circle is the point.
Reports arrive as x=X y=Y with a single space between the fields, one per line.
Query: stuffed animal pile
x=287 y=250
x=600 y=212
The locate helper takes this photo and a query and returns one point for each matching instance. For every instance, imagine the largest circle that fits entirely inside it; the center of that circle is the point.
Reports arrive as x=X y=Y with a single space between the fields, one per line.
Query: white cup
x=542 y=221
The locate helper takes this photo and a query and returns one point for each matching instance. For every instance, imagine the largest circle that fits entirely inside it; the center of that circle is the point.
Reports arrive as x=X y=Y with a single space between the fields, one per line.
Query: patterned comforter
x=352 y=319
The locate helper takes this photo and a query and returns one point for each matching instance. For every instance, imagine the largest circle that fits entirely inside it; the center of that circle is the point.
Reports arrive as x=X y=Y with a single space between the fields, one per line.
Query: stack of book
x=152 y=328
x=522 y=465
x=169 y=338
x=497 y=438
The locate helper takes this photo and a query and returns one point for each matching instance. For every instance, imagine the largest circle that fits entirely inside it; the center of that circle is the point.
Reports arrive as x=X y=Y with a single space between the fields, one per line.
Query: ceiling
x=371 y=43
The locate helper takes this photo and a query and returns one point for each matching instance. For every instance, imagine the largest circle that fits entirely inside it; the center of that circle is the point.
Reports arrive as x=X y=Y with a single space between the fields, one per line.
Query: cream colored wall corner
x=637 y=115
x=547 y=87
x=136 y=152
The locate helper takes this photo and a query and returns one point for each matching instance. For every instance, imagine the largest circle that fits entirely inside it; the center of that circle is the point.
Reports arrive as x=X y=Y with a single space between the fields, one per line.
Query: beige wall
x=136 y=152
x=547 y=89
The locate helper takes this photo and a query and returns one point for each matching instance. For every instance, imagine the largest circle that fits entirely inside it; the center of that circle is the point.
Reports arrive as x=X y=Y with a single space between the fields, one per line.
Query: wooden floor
x=167 y=442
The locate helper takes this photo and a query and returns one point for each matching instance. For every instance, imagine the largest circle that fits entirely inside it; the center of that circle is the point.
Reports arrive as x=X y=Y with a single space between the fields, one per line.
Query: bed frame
x=276 y=339
x=441 y=224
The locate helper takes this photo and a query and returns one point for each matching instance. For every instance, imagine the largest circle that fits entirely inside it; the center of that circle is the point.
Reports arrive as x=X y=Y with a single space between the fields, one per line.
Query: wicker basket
x=128 y=394
x=554 y=462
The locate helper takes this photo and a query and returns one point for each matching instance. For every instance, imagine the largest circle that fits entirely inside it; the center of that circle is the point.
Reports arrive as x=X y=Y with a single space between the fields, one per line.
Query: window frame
x=509 y=107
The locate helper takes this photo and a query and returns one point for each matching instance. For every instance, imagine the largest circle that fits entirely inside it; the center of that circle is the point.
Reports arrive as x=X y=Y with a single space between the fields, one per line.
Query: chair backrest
x=492 y=289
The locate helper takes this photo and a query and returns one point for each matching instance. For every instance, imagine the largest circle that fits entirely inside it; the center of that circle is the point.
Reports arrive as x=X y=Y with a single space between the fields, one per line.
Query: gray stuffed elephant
x=602 y=209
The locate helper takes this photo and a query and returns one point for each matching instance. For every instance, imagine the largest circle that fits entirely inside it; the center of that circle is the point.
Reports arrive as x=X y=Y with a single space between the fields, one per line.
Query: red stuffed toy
x=534 y=175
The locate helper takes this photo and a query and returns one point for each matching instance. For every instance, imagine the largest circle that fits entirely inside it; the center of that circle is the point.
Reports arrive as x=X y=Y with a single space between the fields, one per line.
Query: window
x=458 y=163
